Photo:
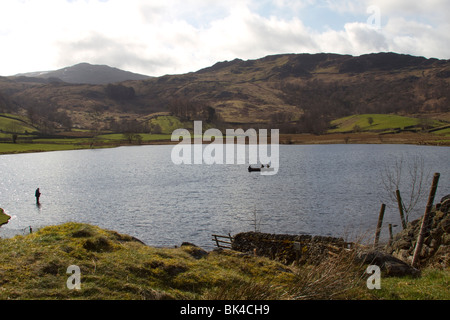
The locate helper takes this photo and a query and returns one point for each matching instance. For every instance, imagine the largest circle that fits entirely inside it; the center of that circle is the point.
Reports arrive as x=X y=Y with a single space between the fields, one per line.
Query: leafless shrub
x=408 y=176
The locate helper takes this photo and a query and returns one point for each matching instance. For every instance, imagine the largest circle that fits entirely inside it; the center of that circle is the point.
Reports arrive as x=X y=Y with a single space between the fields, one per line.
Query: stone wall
x=436 y=247
x=288 y=248
x=395 y=259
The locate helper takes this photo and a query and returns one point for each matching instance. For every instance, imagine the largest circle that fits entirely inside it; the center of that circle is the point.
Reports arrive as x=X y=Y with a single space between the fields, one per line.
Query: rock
x=444 y=205
x=402 y=244
x=404 y=255
x=446 y=239
x=388 y=264
x=287 y=248
x=437 y=235
x=445 y=224
x=188 y=244
x=441 y=257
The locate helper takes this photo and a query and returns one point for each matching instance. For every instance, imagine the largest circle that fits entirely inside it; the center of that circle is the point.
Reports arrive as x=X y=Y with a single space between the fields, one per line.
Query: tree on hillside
x=31 y=113
x=120 y=92
x=5 y=103
x=155 y=128
x=132 y=137
x=60 y=118
x=189 y=110
x=14 y=129
x=313 y=121
x=425 y=123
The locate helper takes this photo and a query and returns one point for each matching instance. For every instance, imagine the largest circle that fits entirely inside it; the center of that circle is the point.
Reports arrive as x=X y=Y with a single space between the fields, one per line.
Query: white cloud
x=156 y=38
x=418 y=38
x=355 y=39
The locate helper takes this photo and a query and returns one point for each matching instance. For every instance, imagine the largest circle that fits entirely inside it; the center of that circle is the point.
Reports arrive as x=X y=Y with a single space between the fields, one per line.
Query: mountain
x=293 y=92
x=85 y=73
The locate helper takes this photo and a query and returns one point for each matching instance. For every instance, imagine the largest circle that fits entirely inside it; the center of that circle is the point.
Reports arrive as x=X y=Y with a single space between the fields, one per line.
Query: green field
x=381 y=122
x=145 y=137
x=165 y=125
x=168 y=124
x=101 y=141
x=8 y=148
x=443 y=132
x=17 y=124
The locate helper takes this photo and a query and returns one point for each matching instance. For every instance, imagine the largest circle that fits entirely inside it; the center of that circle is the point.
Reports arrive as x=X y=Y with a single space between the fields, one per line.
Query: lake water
x=331 y=190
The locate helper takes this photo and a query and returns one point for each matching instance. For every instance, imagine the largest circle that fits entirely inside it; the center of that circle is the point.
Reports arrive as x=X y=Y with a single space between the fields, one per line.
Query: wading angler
x=234 y=151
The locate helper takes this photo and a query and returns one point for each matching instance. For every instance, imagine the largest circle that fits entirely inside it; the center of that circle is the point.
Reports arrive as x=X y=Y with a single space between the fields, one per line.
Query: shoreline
x=421 y=139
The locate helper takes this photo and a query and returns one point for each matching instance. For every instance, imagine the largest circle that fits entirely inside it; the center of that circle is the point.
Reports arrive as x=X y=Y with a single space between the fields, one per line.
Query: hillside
x=294 y=92
x=84 y=73
x=116 y=266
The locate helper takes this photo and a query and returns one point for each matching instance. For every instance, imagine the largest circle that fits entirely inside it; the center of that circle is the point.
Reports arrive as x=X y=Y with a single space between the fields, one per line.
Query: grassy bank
x=116 y=266
x=4 y=218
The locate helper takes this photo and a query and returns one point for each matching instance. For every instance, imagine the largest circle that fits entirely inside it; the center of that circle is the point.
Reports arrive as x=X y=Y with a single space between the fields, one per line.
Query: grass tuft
x=116 y=266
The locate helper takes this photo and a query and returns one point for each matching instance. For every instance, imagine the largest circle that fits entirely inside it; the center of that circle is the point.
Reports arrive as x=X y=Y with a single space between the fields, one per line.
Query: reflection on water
x=325 y=189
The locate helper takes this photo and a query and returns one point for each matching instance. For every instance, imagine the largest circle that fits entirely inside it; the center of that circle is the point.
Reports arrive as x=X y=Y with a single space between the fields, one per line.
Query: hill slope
x=295 y=92
x=87 y=74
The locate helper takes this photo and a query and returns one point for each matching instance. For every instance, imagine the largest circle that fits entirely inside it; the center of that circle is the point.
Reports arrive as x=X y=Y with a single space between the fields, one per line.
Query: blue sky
x=316 y=15
x=174 y=36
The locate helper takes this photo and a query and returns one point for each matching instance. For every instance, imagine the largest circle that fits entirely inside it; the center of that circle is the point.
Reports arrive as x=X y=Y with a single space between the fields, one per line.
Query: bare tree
x=255 y=219
x=14 y=129
x=132 y=137
x=409 y=177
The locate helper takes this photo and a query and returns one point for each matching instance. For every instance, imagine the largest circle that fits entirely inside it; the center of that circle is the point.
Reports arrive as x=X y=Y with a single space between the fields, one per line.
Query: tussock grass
x=117 y=266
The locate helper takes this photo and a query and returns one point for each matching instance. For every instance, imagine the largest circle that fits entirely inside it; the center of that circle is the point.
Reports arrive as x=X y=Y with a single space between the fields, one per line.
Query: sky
x=178 y=36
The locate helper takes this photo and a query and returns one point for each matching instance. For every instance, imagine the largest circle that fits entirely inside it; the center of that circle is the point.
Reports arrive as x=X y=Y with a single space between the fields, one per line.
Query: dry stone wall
x=436 y=247
x=394 y=260
x=287 y=248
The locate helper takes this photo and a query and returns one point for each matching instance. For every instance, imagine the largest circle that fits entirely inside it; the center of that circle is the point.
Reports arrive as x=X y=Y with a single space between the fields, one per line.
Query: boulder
x=389 y=265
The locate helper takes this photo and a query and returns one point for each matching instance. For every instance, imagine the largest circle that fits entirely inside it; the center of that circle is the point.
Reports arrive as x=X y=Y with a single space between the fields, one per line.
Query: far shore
x=291 y=139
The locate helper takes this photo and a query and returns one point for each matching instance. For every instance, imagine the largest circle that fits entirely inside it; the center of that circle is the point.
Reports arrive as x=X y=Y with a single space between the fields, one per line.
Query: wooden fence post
x=424 y=226
x=380 y=222
x=400 y=208
x=391 y=235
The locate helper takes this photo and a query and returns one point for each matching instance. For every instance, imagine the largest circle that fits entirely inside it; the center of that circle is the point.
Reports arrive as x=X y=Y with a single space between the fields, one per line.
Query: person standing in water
x=37 y=194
